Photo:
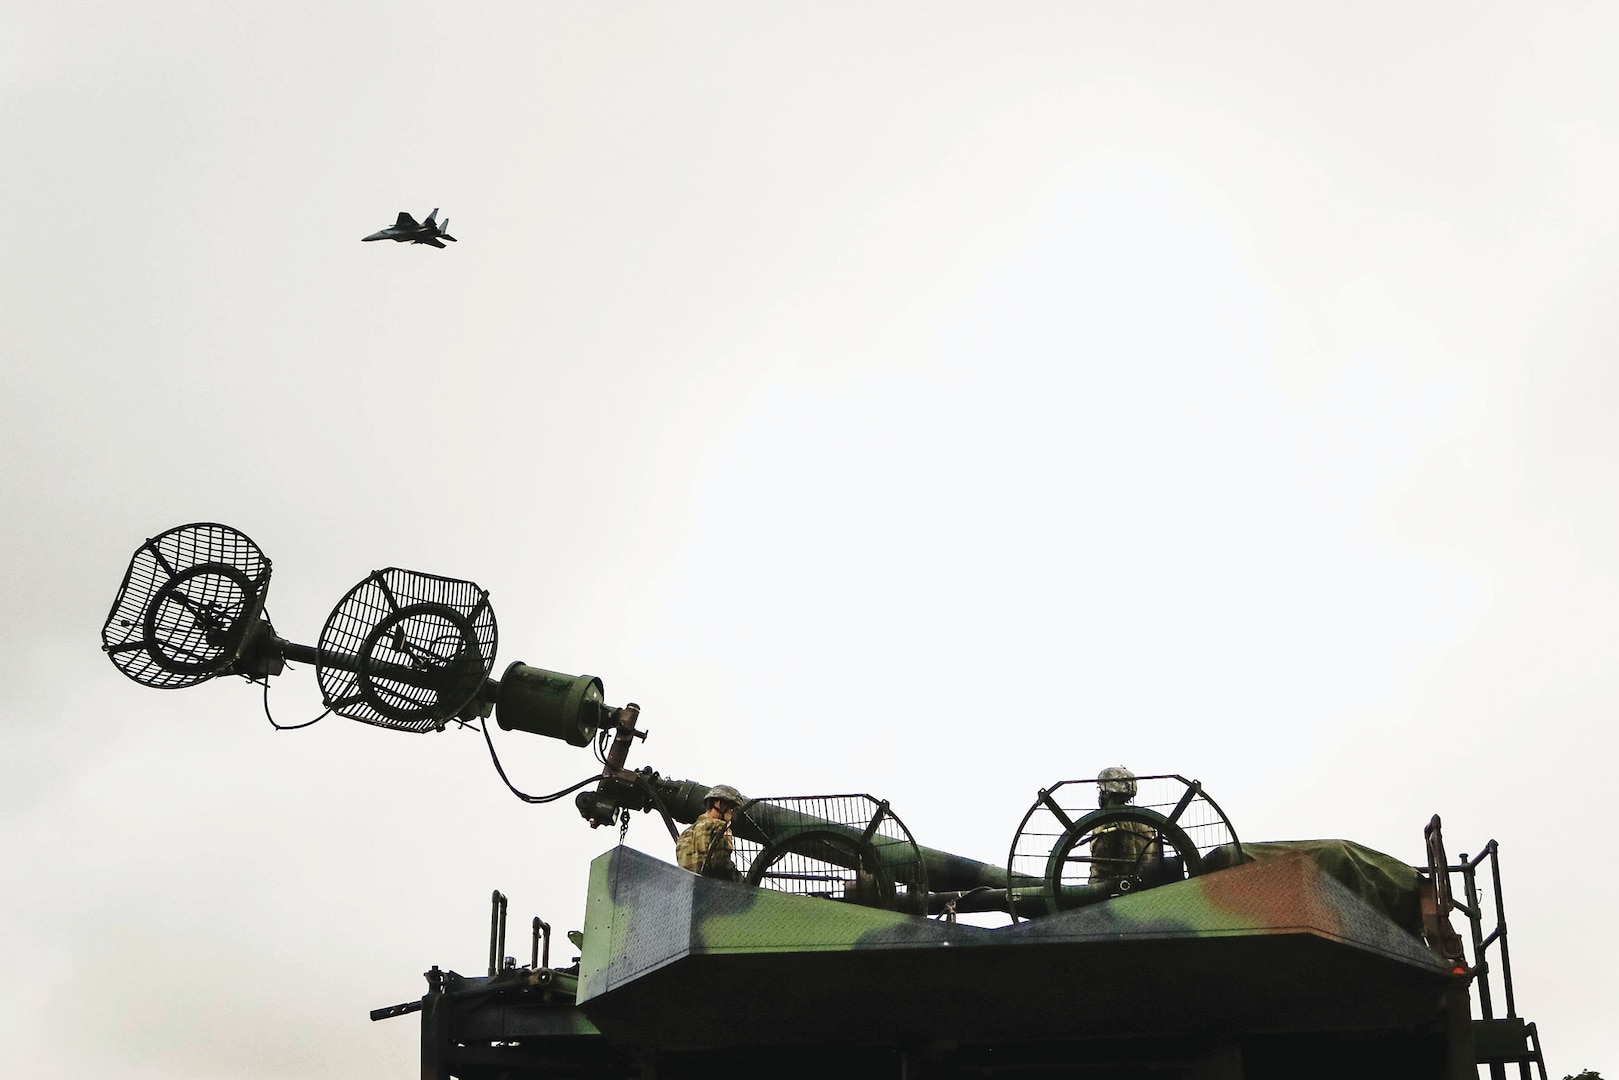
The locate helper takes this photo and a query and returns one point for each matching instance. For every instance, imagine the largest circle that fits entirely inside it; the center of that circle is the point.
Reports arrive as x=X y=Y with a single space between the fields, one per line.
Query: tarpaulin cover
x=1383 y=881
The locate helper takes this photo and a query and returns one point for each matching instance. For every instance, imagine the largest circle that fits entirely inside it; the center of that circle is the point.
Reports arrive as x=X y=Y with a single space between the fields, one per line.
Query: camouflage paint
x=1275 y=944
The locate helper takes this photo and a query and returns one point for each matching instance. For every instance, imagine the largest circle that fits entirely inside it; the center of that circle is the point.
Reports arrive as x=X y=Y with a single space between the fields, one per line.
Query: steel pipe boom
x=431 y=679
x=946 y=872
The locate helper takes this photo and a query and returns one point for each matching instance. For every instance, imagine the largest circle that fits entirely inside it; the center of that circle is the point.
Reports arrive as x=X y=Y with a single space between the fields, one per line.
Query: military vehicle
x=1140 y=937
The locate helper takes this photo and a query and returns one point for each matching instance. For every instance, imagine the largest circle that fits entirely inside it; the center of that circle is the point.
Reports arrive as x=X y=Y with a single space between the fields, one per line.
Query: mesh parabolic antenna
x=406 y=650
x=188 y=601
x=1081 y=852
x=851 y=848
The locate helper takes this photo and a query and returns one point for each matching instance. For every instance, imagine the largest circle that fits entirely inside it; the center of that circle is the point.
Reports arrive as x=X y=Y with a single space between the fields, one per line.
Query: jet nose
x=373 y=236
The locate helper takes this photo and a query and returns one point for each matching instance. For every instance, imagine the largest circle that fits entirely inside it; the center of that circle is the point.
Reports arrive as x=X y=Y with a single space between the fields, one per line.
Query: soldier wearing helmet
x=1121 y=849
x=705 y=847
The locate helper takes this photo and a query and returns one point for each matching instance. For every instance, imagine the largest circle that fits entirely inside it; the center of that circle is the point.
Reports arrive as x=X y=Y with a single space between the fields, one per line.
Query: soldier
x=1121 y=849
x=705 y=847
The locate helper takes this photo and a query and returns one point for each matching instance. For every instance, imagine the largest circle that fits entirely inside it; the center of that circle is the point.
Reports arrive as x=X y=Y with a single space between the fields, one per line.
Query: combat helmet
x=726 y=792
x=1116 y=784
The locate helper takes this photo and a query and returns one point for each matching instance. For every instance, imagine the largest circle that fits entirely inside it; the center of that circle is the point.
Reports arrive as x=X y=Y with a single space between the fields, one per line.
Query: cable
x=285 y=727
x=652 y=793
x=553 y=797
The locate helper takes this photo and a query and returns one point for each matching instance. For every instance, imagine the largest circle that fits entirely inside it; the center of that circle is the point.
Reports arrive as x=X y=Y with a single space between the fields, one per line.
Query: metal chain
x=623 y=824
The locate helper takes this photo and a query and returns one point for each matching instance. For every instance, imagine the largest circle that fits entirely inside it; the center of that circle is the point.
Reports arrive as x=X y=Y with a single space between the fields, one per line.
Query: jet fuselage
x=408 y=230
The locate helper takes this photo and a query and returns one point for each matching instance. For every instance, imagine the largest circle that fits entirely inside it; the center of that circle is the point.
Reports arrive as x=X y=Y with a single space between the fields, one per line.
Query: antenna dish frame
x=430 y=686
x=143 y=635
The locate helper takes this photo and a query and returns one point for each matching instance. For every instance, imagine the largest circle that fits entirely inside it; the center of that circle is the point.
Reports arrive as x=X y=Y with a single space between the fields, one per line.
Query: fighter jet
x=407 y=229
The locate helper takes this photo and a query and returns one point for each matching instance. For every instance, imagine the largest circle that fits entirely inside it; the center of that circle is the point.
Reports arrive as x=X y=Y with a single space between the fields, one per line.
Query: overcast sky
x=931 y=399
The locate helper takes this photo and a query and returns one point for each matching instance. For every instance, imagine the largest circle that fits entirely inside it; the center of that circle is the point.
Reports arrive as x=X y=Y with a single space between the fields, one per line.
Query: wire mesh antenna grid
x=850 y=848
x=186 y=604
x=406 y=650
x=1072 y=845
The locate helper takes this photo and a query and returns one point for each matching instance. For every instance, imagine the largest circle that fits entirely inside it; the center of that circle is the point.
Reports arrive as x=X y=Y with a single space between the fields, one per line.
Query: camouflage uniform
x=1122 y=848
x=705 y=848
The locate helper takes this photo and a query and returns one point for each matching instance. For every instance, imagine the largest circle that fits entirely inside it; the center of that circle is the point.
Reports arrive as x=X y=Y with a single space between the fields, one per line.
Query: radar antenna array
x=402 y=649
x=189 y=606
x=413 y=652
x=406 y=650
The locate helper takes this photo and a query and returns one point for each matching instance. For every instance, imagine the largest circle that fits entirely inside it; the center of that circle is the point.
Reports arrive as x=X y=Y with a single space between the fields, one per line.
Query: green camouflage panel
x=1275 y=944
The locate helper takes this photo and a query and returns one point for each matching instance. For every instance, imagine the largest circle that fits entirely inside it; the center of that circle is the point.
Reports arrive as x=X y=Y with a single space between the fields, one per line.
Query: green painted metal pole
x=946 y=872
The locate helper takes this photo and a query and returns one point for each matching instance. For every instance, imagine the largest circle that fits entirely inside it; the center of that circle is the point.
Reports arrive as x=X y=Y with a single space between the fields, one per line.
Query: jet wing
x=405 y=221
x=430 y=240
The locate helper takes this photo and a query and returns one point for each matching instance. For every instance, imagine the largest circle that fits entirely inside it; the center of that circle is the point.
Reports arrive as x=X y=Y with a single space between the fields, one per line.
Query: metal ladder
x=1497 y=1041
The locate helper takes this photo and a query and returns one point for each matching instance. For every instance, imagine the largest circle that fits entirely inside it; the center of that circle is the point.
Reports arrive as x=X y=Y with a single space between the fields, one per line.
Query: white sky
x=931 y=399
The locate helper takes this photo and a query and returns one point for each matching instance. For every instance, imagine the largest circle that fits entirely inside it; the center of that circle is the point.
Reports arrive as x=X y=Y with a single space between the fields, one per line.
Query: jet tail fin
x=428 y=220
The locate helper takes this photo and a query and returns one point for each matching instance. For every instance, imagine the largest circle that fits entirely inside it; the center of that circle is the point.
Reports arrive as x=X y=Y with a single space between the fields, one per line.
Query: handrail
x=540 y=959
x=1440 y=870
x=497 y=932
